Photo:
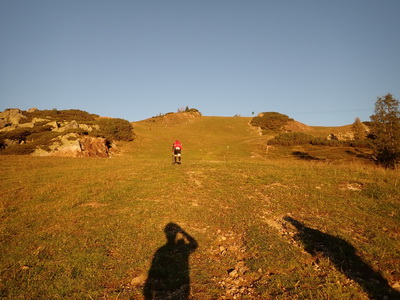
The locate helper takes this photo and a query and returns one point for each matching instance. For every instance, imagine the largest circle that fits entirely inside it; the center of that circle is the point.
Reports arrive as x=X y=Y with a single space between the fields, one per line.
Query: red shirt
x=177 y=144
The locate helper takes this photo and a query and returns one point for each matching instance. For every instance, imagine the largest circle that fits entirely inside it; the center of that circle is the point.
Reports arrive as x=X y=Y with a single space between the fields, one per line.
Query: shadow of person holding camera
x=169 y=277
x=345 y=259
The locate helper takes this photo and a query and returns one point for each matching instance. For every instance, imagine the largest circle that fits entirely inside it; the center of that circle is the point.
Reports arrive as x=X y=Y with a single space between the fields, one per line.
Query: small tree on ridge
x=358 y=130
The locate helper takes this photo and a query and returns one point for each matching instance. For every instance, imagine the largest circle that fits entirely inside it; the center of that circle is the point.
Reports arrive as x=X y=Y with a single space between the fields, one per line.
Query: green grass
x=81 y=228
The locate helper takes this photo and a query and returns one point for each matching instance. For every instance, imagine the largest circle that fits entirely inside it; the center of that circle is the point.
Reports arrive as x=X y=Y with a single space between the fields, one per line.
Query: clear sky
x=321 y=62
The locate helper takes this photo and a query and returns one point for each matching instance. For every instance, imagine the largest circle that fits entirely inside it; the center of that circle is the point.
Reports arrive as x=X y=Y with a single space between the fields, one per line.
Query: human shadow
x=343 y=256
x=169 y=277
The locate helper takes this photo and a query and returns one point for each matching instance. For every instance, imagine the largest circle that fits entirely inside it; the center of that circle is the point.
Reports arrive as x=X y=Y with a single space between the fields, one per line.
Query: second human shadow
x=343 y=256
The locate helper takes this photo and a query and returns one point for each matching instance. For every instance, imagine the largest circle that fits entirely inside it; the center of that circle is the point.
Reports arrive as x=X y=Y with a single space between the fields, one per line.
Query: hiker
x=176 y=152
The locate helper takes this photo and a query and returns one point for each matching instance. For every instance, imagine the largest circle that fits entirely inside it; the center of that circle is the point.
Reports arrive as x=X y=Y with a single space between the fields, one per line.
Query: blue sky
x=323 y=63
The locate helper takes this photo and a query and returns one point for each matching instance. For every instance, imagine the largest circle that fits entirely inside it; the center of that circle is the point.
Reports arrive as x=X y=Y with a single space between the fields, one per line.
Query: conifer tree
x=358 y=130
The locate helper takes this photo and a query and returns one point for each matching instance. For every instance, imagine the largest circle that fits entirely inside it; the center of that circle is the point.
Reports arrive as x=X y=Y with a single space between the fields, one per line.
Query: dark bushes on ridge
x=26 y=139
x=299 y=138
x=291 y=139
x=67 y=115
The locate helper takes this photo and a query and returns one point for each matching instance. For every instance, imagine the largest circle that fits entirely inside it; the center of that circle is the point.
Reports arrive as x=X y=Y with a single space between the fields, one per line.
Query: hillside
x=233 y=221
x=77 y=133
x=203 y=138
x=231 y=138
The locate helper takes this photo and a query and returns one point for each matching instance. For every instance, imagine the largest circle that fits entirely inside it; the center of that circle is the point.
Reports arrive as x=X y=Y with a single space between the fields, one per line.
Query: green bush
x=19 y=134
x=43 y=139
x=329 y=143
x=270 y=121
x=116 y=129
x=23 y=149
x=62 y=115
x=299 y=138
x=192 y=110
x=291 y=139
x=28 y=139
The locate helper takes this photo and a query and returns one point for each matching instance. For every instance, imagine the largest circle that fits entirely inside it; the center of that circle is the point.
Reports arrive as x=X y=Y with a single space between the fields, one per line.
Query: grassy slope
x=88 y=228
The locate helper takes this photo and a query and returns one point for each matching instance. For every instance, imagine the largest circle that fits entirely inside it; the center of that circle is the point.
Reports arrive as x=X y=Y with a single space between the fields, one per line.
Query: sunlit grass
x=84 y=228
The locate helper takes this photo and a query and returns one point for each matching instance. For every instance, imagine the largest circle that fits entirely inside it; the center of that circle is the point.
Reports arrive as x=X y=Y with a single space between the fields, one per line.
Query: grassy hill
x=203 y=138
x=252 y=223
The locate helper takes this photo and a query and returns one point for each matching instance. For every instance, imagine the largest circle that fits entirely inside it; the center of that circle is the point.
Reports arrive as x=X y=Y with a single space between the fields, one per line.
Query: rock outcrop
x=44 y=134
x=75 y=145
x=341 y=136
x=94 y=147
x=11 y=116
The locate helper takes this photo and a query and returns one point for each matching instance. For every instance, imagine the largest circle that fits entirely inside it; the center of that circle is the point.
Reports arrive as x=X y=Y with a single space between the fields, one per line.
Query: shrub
x=19 y=134
x=299 y=138
x=28 y=139
x=23 y=149
x=291 y=139
x=329 y=143
x=63 y=115
x=193 y=110
x=43 y=139
x=116 y=129
x=270 y=121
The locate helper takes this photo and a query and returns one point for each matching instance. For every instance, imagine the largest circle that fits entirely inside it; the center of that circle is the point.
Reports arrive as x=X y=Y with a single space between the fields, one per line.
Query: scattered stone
x=3 y=123
x=352 y=186
x=67 y=125
x=9 y=142
x=239 y=281
x=26 y=125
x=54 y=124
x=38 y=120
x=139 y=280
x=9 y=128
x=93 y=204
x=396 y=286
